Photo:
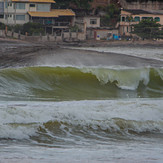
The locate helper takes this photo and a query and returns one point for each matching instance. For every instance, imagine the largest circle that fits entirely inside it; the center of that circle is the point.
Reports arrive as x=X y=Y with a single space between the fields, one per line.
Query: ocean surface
x=84 y=105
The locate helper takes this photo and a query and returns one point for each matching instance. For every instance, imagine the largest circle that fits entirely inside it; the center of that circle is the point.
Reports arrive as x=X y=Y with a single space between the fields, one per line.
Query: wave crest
x=64 y=83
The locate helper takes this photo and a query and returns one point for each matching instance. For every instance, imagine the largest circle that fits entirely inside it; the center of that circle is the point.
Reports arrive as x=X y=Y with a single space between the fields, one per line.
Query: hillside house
x=132 y=17
x=14 y=12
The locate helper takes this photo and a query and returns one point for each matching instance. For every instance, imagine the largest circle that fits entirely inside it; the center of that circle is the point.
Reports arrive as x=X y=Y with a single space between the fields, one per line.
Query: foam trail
x=21 y=120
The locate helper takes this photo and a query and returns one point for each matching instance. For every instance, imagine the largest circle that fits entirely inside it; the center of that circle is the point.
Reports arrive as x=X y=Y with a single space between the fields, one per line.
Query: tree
x=147 y=29
x=32 y=28
x=111 y=17
x=61 y=4
x=80 y=4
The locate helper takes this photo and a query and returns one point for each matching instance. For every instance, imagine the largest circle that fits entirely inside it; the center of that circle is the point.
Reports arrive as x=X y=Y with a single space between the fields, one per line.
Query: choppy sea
x=66 y=112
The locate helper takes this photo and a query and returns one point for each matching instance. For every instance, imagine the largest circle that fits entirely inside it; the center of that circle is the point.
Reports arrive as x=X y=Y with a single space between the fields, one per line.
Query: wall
x=74 y=36
x=88 y=19
x=150 y=5
x=102 y=33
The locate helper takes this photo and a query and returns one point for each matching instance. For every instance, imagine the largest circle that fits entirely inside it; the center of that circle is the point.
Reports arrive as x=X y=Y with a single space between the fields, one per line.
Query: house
x=14 y=12
x=132 y=17
x=90 y=21
x=104 y=34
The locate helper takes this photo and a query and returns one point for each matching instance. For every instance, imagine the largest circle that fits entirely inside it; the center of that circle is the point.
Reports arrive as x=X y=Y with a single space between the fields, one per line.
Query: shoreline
x=87 y=43
x=24 y=53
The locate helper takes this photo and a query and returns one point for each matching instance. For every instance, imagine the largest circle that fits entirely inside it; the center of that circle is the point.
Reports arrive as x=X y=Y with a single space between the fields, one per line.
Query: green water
x=70 y=83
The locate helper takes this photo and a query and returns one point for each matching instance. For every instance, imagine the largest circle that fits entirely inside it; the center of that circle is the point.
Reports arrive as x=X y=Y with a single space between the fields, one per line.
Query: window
x=144 y=18
x=1 y=16
x=9 y=4
x=6 y=4
x=147 y=18
x=93 y=21
x=1 y=5
x=157 y=19
x=20 y=6
x=32 y=5
x=43 y=7
x=20 y=17
x=137 y=19
x=9 y=15
x=123 y=19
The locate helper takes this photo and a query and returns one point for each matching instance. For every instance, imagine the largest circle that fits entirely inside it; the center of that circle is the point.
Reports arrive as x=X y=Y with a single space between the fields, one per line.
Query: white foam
x=140 y=115
x=17 y=132
x=144 y=52
x=125 y=79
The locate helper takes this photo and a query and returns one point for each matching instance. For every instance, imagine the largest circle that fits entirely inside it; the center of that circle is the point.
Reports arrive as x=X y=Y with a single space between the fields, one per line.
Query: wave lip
x=70 y=83
x=125 y=79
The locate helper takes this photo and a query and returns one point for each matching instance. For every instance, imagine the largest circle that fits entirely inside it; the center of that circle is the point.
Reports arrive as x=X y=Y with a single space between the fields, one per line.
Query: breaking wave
x=70 y=83
x=63 y=121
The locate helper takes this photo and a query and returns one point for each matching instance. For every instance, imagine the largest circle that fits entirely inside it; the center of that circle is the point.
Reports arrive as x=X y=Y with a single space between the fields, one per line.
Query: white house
x=14 y=12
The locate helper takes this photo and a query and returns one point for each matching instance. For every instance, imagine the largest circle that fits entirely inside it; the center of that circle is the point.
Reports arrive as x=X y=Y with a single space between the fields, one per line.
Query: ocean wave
x=64 y=83
x=30 y=120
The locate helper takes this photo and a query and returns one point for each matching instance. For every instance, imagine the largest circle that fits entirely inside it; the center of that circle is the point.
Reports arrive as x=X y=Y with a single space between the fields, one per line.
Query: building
x=14 y=12
x=90 y=21
x=132 y=17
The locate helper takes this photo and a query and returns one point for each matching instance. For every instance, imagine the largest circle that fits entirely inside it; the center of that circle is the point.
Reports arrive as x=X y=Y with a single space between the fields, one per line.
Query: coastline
x=15 y=52
x=86 y=43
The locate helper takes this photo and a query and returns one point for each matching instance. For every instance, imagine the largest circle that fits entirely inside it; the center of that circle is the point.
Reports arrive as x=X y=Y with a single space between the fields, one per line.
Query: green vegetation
x=80 y=4
x=61 y=4
x=111 y=17
x=30 y=28
x=74 y=28
x=148 y=29
x=2 y=26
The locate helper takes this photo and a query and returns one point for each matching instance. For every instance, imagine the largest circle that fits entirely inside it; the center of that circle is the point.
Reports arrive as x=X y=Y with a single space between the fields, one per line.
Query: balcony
x=128 y=23
x=51 y=22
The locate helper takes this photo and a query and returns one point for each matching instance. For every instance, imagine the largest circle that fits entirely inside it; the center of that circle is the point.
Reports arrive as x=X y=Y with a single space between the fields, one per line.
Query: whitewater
x=83 y=105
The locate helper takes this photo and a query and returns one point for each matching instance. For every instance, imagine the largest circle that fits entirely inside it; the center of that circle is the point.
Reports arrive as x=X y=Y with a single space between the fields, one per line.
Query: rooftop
x=138 y=12
x=53 y=13
x=42 y=14
x=63 y=12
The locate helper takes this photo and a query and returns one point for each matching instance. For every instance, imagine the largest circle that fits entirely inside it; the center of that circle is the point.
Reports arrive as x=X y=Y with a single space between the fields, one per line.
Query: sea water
x=91 y=112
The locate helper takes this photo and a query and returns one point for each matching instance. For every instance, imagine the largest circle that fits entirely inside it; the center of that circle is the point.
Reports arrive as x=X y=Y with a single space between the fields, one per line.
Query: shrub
x=2 y=26
x=32 y=28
